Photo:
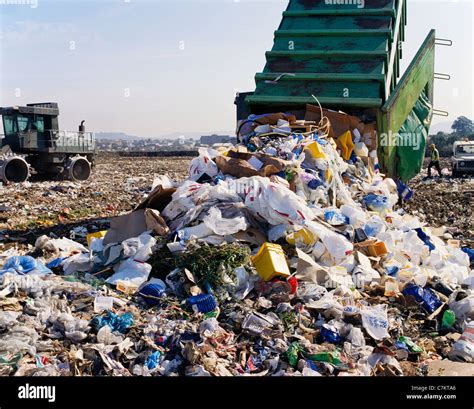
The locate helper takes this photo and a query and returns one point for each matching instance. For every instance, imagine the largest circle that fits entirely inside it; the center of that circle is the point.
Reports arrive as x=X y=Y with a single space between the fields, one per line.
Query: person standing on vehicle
x=434 y=160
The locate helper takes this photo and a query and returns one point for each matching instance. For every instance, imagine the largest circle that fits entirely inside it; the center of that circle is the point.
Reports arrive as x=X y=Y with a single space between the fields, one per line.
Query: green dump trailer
x=347 y=54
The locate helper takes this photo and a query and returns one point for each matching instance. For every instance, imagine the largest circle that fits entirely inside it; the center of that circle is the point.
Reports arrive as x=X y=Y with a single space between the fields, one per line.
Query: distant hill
x=116 y=136
x=174 y=135
x=194 y=134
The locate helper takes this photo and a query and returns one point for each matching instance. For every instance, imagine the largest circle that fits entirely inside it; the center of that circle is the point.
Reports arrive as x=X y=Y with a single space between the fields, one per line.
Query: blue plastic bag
x=469 y=252
x=24 y=265
x=335 y=218
x=424 y=238
x=377 y=203
x=119 y=323
x=426 y=296
x=404 y=191
x=315 y=183
x=328 y=335
x=392 y=271
x=56 y=262
x=153 y=360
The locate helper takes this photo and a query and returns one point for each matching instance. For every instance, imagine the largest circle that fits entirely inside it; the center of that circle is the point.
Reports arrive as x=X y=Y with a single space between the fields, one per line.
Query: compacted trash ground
x=287 y=255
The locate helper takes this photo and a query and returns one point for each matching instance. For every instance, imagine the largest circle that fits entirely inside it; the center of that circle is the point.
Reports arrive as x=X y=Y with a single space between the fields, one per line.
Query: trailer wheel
x=78 y=169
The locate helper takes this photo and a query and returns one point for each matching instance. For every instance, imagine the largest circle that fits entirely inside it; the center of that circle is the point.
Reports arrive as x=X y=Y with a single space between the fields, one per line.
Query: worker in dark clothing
x=434 y=160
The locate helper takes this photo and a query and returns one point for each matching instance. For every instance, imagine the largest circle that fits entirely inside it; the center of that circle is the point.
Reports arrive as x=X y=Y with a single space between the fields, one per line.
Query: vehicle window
x=39 y=124
x=466 y=149
x=22 y=123
x=9 y=125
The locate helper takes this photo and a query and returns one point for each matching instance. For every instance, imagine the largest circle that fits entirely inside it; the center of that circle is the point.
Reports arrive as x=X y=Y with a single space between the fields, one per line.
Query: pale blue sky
x=180 y=61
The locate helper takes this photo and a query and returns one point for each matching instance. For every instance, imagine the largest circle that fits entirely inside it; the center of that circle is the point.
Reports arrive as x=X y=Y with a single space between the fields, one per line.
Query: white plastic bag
x=356 y=337
x=222 y=226
x=271 y=202
x=464 y=308
x=203 y=164
x=140 y=248
x=131 y=270
x=355 y=214
x=375 y=321
x=196 y=232
x=77 y=262
x=337 y=245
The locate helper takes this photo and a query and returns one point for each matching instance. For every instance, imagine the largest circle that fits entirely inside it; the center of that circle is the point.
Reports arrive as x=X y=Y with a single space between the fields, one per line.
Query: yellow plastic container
x=96 y=235
x=270 y=262
x=302 y=235
x=126 y=287
x=316 y=150
x=345 y=144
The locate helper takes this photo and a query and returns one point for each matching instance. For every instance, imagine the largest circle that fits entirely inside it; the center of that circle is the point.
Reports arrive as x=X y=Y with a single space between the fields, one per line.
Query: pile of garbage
x=281 y=256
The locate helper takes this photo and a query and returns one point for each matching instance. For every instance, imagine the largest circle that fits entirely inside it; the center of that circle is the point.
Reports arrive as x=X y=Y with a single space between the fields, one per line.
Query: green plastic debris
x=8 y=360
x=292 y=353
x=331 y=357
x=448 y=319
x=211 y=314
x=410 y=344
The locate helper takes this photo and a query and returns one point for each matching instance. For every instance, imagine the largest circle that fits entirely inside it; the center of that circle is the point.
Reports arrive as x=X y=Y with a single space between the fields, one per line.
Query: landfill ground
x=120 y=183
x=56 y=207
x=445 y=201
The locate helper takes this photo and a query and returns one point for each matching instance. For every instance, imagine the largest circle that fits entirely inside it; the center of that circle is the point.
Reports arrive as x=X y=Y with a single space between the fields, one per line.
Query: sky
x=155 y=67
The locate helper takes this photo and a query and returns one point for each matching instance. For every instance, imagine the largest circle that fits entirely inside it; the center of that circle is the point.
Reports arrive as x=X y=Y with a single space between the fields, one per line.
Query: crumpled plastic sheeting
x=19 y=338
x=32 y=284
x=223 y=226
x=62 y=247
x=8 y=317
x=24 y=265
x=65 y=324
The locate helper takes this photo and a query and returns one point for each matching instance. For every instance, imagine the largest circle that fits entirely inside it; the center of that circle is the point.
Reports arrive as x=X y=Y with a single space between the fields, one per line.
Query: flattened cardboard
x=133 y=224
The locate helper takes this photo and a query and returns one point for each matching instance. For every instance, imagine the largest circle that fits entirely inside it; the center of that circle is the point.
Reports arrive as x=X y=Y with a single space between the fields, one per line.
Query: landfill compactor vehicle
x=32 y=143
